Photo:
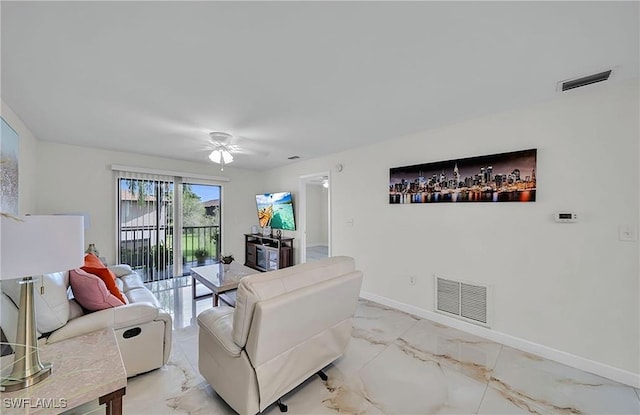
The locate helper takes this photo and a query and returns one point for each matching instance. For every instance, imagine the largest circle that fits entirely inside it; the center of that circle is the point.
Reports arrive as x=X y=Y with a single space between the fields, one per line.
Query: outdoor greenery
x=198 y=235
x=198 y=238
x=194 y=212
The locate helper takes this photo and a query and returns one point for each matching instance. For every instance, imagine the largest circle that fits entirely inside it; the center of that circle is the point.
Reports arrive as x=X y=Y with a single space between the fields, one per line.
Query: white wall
x=570 y=287
x=27 y=161
x=72 y=179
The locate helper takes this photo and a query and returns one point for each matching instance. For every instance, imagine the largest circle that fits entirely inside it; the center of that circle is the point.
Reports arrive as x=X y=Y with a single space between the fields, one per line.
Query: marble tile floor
x=396 y=364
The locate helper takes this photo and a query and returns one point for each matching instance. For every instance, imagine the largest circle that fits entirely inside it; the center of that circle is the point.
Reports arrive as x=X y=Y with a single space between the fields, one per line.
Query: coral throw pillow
x=90 y=291
x=94 y=266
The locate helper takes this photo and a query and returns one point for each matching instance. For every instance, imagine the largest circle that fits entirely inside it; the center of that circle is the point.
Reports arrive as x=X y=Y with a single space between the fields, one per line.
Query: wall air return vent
x=585 y=80
x=464 y=300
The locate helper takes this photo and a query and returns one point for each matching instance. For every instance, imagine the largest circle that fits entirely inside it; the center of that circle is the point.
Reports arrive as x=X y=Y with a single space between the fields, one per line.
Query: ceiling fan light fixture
x=215 y=156
x=221 y=157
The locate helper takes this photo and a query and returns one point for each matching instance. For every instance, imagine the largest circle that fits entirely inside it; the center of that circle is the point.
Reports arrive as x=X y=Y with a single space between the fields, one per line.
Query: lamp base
x=27 y=368
x=11 y=384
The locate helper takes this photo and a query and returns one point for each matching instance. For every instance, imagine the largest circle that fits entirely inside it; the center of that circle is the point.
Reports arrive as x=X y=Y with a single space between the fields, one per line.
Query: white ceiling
x=292 y=78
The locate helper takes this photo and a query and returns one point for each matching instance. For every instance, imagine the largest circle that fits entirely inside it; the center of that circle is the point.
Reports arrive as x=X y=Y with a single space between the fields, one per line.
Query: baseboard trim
x=591 y=366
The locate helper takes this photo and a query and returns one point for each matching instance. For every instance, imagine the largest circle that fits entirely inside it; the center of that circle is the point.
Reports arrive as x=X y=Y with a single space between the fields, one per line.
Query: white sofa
x=287 y=325
x=142 y=328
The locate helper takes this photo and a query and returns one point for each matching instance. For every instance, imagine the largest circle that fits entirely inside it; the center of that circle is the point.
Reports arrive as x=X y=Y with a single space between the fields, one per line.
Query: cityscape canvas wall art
x=504 y=177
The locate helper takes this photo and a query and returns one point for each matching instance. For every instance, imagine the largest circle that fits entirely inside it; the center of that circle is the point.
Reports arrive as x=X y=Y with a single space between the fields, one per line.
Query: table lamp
x=31 y=246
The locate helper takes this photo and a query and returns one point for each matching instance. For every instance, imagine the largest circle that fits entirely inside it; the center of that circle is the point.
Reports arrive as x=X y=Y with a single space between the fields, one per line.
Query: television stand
x=267 y=253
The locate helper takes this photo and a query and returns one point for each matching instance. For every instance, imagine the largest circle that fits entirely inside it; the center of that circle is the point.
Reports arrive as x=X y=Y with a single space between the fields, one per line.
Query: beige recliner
x=287 y=325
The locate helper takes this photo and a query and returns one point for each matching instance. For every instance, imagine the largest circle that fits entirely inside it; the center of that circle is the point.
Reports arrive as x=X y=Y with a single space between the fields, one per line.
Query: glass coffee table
x=221 y=282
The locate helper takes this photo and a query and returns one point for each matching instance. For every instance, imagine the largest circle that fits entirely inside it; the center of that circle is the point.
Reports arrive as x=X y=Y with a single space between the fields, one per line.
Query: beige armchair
x=287 y=325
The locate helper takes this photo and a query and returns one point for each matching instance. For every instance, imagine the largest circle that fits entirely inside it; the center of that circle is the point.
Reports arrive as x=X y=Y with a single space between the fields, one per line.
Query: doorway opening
x=315 y=223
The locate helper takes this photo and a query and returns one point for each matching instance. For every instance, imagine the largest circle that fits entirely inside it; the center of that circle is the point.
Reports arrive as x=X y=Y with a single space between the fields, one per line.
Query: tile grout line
x=386 y=346
x=486 y=388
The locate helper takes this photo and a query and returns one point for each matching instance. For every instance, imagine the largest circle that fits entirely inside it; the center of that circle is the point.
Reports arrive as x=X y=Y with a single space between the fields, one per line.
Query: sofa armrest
x=218 y=322
x=133 y=314
x=168 y=332
x=115 y=318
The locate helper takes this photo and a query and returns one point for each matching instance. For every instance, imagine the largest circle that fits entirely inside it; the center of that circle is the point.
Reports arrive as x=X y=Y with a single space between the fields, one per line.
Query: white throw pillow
x=52 y=307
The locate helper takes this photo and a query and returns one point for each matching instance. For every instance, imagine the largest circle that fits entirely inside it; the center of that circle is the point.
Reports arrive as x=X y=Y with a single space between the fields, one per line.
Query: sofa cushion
x=91 y=292
x=75 y=309
x=121 y=269
x=142 y=295
x=258 y=287
x=52 y=306
x=131 y=282
x=120 y=285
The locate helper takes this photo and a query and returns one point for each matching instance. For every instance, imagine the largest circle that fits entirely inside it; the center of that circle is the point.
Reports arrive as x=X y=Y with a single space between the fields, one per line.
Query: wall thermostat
x=566 y=217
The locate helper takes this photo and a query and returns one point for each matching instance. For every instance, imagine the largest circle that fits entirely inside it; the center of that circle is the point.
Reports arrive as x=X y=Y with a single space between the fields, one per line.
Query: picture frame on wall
x=9 y=169
x=503 y=177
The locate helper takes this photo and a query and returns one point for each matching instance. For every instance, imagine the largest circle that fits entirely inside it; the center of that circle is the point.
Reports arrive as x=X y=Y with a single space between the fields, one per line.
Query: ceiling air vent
x=586 y=80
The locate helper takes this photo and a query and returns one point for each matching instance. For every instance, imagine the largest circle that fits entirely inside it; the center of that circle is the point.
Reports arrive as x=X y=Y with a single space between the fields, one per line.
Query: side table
x=85 y=368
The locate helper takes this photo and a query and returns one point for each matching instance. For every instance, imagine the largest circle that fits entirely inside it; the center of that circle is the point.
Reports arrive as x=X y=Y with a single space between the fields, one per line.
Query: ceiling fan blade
x=233 y=144
x=249 y=152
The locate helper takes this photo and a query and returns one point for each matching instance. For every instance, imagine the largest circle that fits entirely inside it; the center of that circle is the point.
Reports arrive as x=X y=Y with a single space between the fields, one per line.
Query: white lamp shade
x=34 y=245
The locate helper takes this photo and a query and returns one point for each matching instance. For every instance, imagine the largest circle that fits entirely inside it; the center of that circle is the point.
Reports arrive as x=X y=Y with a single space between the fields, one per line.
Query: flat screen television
x=276 y=210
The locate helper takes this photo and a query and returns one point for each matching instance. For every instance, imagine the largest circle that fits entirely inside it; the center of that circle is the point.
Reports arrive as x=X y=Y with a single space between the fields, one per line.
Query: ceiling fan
x=224 y=147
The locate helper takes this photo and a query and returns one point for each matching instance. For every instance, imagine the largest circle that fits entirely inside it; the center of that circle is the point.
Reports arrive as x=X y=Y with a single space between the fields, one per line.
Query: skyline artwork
x=503 y=177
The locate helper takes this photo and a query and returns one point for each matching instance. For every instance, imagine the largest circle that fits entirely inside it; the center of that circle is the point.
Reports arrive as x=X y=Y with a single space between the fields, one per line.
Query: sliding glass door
x=165 y=226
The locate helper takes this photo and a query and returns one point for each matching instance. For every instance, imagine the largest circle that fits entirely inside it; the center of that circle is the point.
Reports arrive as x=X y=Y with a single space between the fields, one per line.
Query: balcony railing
x=149 y=250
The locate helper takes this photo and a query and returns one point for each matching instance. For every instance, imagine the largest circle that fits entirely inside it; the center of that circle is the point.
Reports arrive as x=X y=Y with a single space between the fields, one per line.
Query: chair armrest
x=115 y=318
x=218 y=322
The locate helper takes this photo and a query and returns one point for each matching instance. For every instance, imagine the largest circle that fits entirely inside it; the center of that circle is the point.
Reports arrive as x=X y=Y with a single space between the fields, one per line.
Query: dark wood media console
x=267 y=253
